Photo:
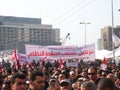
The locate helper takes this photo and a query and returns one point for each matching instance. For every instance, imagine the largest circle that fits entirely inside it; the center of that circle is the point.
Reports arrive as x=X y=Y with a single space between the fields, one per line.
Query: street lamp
x=113 y=47
x=85 y=23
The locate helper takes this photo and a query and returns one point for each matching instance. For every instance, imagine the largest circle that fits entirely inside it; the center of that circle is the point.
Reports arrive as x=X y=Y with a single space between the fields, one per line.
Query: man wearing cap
x=72 y=75
x=65 y=84
x=53 y=85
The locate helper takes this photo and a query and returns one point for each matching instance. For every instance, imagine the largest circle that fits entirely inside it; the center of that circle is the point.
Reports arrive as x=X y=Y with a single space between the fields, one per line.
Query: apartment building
x=15 y=32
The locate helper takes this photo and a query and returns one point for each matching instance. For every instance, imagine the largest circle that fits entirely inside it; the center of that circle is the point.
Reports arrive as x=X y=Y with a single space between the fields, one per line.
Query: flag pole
x=113 y=47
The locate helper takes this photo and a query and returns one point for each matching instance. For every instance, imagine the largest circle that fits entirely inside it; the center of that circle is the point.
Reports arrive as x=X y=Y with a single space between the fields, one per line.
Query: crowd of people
x=48 y=76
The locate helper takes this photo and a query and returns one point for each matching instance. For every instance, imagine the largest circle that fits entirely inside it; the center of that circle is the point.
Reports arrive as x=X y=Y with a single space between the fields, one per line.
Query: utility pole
x=85 y=23
x=113 y=47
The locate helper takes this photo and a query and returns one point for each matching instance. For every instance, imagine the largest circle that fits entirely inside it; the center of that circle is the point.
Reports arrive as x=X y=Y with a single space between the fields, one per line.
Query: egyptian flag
x=104 y=64
x=42 y=62
x=15 y=58
x=60 y=64
x=0 y=68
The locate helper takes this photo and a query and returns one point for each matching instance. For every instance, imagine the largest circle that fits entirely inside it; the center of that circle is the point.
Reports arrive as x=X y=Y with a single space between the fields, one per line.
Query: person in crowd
x=18 y=82
x=77 y=84
x=99 y=73
x=78 y=71
x=72 y=75
x=88 y=86
x=106 y=84
x=42 y=78
x=1 y=83
x=53 y=85
x=6 y=85
x=62 y=75
x=103 y=74
x=92 y=74
x=112 y=77
x=118 y=81
x=8 y=64
x=84 y=74
x=37 y=81
x=14 y=71
x=65 y=84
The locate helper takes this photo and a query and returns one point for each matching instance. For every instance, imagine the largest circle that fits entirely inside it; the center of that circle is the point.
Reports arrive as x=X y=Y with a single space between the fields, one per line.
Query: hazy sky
x=66 y=15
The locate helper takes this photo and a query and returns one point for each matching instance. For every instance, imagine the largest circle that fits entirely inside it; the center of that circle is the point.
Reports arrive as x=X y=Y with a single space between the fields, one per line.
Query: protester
x=112 y=77
x=37 y=81
x=88 y=86
x=62 y=75
x=53 y=85
x=18 y=82
x=39 y=77
x=106 y=84
x=77 y=84
x=117 y=83
x=65 y=85
x=92 y=74
x=1 y=83
x=84 y=74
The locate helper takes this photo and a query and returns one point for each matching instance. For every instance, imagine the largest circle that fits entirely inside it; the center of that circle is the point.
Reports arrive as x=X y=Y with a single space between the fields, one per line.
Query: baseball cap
x=80 y=79
x=65 y=81
x=52 y=80
x=72 y=72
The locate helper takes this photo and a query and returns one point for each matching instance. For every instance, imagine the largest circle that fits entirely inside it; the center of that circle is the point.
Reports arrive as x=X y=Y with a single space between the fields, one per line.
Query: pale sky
x=66 y=15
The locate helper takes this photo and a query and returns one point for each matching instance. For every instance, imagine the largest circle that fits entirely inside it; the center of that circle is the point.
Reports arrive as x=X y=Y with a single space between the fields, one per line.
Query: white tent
x=100 y=54
x=116 y=53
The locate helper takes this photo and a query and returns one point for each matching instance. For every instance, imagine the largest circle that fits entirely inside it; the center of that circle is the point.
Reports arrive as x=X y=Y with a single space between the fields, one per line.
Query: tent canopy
x=100 y=54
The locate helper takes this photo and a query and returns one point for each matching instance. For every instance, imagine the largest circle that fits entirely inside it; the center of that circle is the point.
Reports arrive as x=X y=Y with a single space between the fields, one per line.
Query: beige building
x=106 y=36
x=15 y=32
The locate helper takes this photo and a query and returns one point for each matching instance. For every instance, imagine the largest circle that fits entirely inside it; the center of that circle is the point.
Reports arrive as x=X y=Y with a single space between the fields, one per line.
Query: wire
x=66 y=17
x=68 y=11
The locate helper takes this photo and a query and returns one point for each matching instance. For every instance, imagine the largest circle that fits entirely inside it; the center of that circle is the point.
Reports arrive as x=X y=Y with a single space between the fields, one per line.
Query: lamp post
x=85 y=23
x=113 y=47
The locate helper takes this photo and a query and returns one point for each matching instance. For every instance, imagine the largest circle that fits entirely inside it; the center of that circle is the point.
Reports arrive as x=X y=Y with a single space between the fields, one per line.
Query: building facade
x=99 y=44
x=106 y=37
x=15 y=32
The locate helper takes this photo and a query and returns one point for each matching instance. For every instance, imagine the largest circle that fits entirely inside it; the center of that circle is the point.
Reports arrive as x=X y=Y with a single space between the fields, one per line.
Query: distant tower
x=106 y=36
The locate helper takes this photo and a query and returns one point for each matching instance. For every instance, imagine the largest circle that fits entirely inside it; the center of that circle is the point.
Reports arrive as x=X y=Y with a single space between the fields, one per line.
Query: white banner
x=22 y=57
x=86 y=53
x=72 y=64
x=6 y=55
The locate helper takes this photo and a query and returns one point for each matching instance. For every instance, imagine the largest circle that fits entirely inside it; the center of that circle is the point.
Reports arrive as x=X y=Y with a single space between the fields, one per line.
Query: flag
x=104 y=64
x=13 y=56
x=32 y=65
x=26 y=64
x=42 y=62
x=16 y=66
x=60 y=64
x=116 y=40
x=0 y=68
